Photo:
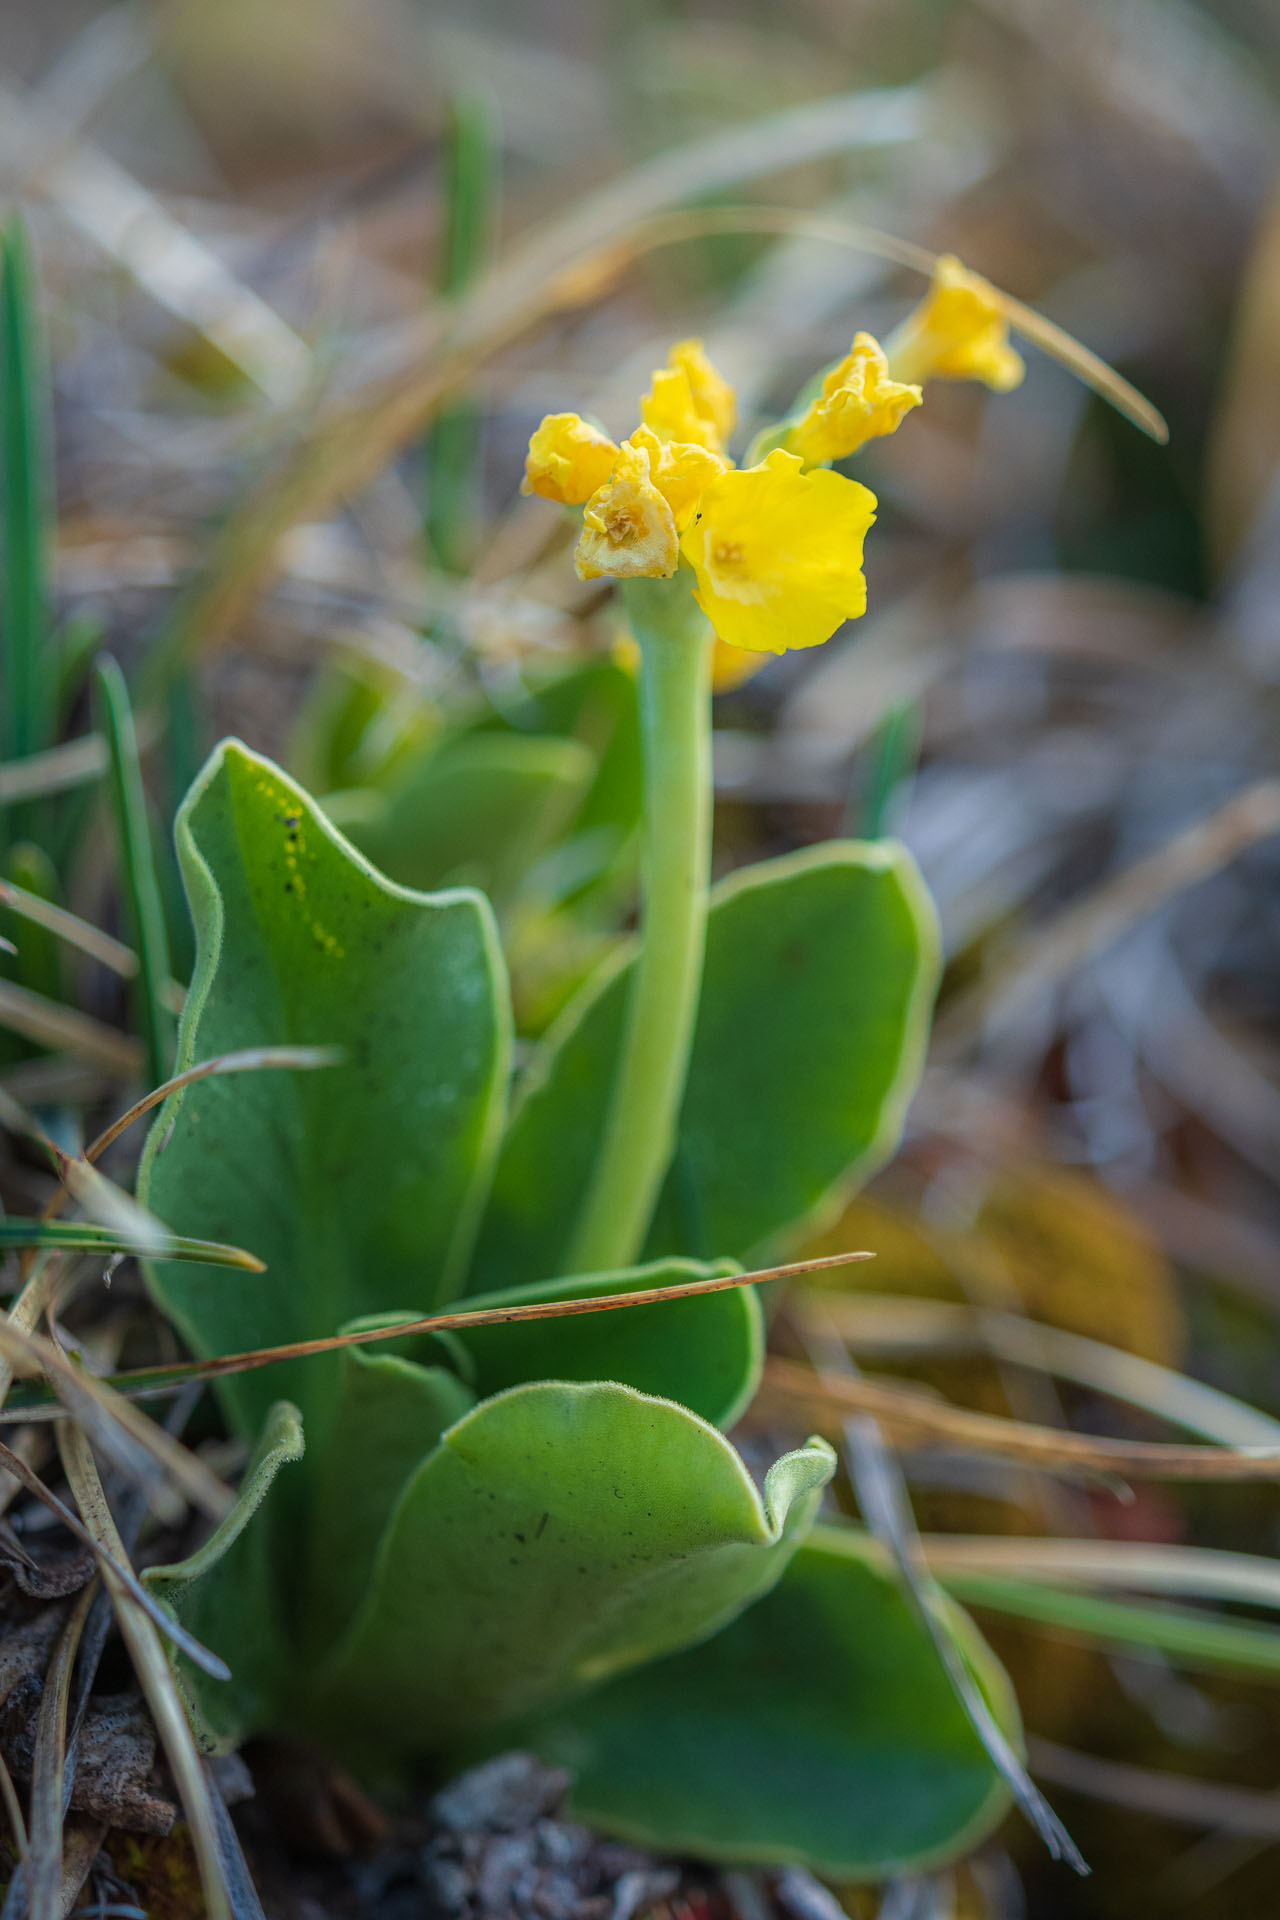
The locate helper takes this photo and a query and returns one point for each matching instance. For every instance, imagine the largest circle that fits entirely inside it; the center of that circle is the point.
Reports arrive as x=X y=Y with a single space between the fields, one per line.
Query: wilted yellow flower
x=627 y=526
x=958 y=332
x=679 y=470
x=689 y=401
x=777 y=551
x=857 y=403
x=567 y=460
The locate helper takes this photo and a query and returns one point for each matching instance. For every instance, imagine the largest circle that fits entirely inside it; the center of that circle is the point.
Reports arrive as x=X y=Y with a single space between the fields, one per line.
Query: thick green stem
x=640 y=1128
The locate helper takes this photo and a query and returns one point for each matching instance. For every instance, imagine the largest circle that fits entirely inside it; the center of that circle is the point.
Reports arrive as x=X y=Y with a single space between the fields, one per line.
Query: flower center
x=727 y=553
x=621 y=524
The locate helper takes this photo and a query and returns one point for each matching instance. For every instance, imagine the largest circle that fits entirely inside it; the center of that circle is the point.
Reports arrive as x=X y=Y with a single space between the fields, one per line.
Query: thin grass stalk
x=152 y=1669
x=26 y=719
x=137 y=866
x=43 y=1866
x=452 y=445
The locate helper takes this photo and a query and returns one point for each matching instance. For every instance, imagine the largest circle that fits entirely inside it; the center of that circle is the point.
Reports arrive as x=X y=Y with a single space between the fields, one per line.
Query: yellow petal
x=730 y=666
x=627 y=526
x=777 y=551
x=959 y=331
x=714 y=398
x=567 y=460
x=680 y=470
x=857 y=403
x=689 y=401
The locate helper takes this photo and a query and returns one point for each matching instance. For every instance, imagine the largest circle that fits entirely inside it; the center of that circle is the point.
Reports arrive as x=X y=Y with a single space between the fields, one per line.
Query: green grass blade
x=452 y=447
x=26 y=715
x=471 y=180
x=79 y=1236
x=1199 y=1639
x=893 y=751
x=137 y=866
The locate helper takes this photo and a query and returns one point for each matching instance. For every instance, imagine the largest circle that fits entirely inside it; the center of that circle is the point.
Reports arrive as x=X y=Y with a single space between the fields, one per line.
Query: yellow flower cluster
x=776 y=548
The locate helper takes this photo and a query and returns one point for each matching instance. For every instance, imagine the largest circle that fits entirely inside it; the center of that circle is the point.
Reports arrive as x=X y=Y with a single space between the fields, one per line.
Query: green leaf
x=559 y=1534
x=390 y=1413
x=480 y=809
x=225 y=1593
x=705 y=1352
x=820 y=972
x=360 y=1186
x=819 y=1728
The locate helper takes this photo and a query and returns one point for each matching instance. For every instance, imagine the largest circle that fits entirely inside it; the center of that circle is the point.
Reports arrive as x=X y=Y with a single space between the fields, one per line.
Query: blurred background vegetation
x=290 y=398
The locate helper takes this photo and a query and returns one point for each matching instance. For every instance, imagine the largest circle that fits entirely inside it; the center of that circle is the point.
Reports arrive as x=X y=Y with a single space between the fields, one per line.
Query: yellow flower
x=680 y=470
x=858 y=402
x=627 y=526
x=567 y=460
x=689 y=401
x=777 y=551
x=958 y=332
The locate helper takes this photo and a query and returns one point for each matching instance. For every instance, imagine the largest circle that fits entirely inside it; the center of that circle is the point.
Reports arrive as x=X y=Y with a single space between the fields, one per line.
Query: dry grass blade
x=109 y=207
x=74 y=764
x=112 y=1569
x=103 y=1202
x=891 y=1323
x=560 y=264
x=1206 y=1573
x=66 y=1030
x=138 y=1627
x=1053 y=340
x=885 y=1503
x=247 y=1060
x=910 y=1414
x=1086 y=365
x=145 y=1380
x=1047 y=956
x=1192 y=1803
x=136 y=1445
x=44 y=1862
x=569 y=265
x=89 y=939
x=13 y=1809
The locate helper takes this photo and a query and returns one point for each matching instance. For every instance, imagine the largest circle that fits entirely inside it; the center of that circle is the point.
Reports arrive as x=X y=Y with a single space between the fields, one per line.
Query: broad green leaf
x=820 y=971
x=559 y=1534
x=704 y=1352
x=226 y=1594
x=819 y=1728
x=390 y=1413
x=358 y=1186
x=479 y=809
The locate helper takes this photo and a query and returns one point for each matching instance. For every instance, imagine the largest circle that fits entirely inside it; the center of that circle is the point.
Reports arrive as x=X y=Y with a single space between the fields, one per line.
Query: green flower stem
x=640 y=1128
